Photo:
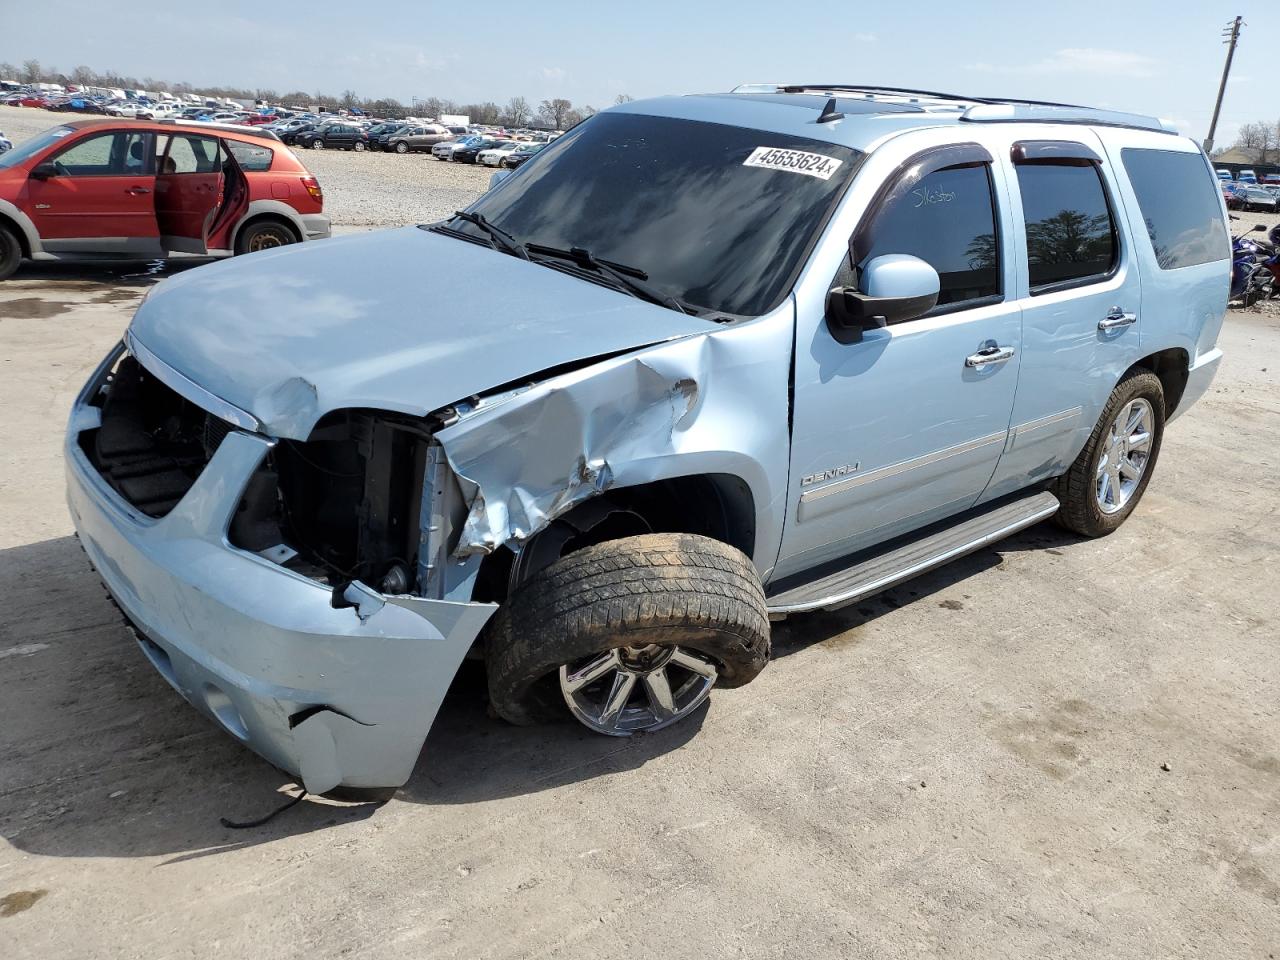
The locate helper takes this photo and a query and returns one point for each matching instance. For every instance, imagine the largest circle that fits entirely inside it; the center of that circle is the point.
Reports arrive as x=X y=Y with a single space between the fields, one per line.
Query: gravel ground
x=360 y=189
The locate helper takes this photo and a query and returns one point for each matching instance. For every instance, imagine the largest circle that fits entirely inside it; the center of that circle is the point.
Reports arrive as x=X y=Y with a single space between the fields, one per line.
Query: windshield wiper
x=632 y=279
x=499 y=239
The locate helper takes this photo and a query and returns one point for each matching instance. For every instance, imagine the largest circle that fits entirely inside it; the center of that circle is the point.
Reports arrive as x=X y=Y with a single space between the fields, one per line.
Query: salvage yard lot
x=1054 y=748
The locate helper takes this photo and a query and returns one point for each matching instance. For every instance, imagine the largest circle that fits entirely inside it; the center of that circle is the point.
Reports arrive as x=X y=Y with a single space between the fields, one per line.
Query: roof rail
x=873 y=89
x=1019 y=110
x=980 y=109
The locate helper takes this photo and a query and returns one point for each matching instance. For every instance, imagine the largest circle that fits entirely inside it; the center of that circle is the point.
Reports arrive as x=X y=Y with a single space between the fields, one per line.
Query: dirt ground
x=1054 y=748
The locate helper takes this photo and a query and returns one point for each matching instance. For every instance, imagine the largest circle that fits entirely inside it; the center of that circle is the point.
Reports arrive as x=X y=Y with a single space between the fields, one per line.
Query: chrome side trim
x=1033 y=425
x=188 y=388
x=921 y=566
x=894 y=469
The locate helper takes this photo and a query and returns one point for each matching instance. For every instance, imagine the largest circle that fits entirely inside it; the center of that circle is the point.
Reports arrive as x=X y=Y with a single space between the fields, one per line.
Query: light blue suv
x=701 y=363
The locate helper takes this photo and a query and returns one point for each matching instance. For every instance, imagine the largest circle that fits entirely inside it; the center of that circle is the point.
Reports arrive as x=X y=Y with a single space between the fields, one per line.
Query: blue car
x=700 y=364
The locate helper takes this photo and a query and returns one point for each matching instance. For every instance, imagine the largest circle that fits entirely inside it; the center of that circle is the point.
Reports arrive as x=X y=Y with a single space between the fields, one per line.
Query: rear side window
x=1071 y=237
x=1179 y=204
x=948 y=221
x=250 y=156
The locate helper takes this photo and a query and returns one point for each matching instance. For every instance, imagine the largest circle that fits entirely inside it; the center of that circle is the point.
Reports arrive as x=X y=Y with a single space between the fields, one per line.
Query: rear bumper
x=316 y=226
x=1199 y=377
x=336 y=697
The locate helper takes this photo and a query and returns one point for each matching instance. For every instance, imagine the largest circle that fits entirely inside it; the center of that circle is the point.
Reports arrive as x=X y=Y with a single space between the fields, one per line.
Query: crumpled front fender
x=714 y=403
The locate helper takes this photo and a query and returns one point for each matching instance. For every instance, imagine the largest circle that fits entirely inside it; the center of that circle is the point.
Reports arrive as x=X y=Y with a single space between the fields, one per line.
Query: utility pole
x=1232 y=32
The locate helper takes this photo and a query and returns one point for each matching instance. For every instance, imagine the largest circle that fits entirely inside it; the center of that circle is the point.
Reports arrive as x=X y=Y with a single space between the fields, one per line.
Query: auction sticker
x=793 y=161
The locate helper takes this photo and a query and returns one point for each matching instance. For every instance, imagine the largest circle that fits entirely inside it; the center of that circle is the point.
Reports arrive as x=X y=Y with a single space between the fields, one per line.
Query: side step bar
x=865 y=575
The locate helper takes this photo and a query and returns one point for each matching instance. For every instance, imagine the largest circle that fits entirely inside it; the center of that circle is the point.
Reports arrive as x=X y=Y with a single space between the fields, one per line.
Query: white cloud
x=553 y=73
x=865 y=38
x=1093 y=60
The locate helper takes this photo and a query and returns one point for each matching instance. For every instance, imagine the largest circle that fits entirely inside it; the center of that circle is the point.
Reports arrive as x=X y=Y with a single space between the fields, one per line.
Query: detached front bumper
x=334 y=696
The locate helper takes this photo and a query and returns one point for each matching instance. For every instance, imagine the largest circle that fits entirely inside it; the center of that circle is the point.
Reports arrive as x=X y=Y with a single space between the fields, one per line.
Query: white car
x=5 y=143
x=143 y=111
x=494 y=156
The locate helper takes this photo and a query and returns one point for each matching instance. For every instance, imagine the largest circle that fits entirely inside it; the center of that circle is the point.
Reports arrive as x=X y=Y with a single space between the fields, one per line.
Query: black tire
x=263 y=235
x=402 y=147
x=662 y=588
x=10 y=253
x=1075 y=489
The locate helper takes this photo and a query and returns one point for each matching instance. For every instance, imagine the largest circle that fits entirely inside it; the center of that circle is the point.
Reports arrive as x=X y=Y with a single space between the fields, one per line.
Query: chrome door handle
x=137 y=191
x=989 y=355
x=1117 y=318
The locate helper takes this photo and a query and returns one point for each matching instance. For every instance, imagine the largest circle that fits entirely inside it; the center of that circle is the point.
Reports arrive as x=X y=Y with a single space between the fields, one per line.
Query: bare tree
x=518 y=112
x=555 y=112
x=1257 y=138
x=623 y=98
x=8 y=71
x=31 y=71
x=348 y=98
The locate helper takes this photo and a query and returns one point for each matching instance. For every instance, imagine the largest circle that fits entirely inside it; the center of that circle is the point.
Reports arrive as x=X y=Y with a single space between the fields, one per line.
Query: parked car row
x=1263 y=197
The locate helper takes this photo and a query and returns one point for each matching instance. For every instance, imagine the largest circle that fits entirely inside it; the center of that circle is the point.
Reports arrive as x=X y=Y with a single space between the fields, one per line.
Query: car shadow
x=100 y=758
x=113 y=272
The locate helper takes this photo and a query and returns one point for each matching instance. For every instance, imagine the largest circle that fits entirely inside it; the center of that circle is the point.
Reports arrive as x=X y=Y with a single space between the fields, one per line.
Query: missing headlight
x=347 y=500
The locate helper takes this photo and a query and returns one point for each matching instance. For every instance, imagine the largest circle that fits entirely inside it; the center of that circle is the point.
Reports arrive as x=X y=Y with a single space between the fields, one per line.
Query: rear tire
x=317 y=144
x=657 y=591
x=10 y=253
x=264 y=235
x=359 y=146
x=1089 y=507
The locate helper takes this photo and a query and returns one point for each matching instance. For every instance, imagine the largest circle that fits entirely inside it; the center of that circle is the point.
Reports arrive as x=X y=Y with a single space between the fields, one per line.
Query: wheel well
x=23 y=245
x=718 y=506
x=264 y=217
x=1172 y=367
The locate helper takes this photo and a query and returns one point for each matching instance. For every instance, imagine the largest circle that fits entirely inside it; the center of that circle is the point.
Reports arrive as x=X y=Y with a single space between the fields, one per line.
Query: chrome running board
x=866 y=575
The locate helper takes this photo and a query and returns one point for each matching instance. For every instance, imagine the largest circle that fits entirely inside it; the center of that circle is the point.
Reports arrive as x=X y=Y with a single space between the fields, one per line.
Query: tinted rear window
x=1179 y=204
x=250 y=156
x=1070 y=235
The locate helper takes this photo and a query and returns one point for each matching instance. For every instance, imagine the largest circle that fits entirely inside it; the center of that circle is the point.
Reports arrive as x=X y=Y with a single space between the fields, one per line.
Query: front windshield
x=24 y=151
x=718 y=217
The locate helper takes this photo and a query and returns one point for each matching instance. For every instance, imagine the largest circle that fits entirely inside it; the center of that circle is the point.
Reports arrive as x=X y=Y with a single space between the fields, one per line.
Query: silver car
x=702 y=363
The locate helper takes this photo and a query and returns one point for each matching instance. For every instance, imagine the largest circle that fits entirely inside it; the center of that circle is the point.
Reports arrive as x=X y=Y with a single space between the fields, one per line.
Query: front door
x=905 y=427
x=100 y=199
x=199 y=193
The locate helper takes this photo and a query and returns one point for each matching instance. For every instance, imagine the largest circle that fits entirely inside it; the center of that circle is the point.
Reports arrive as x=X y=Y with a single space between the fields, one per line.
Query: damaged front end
x=244 y=563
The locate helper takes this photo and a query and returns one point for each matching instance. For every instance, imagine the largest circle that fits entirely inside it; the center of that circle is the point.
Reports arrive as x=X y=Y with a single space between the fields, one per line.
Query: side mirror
x=43 y=171
x=498 y=177
x=1258 y=226
x=895 y=287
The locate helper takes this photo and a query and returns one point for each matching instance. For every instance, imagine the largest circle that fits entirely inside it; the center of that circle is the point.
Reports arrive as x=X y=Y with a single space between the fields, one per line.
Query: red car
x=136 y=189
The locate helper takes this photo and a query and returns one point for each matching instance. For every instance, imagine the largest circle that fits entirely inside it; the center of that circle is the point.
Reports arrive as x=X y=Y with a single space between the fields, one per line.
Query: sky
x=1155 y=58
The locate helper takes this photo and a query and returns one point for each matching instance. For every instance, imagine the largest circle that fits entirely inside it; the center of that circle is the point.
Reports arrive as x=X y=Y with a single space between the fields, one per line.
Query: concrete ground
x=1054 y=748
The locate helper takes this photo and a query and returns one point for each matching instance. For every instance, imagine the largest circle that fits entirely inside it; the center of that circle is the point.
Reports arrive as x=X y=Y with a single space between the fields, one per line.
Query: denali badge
x=812 y=478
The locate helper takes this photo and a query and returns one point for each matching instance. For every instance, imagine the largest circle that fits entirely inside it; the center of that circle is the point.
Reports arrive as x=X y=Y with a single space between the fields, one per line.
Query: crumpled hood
x=398 y=320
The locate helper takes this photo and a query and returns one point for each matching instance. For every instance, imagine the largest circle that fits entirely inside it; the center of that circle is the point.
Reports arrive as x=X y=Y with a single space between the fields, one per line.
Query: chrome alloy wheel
x=1126 y=455
x=622 y=691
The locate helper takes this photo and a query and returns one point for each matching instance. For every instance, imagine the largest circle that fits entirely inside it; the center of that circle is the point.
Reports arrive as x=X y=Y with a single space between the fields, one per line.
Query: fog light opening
x=225 y=711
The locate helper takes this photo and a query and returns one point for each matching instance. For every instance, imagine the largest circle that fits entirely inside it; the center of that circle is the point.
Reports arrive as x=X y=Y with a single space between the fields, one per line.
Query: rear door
x=1079 y=283
x=100 y=200
x=200 y=192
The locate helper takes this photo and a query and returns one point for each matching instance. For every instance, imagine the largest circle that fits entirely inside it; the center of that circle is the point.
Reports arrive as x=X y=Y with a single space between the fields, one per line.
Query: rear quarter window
x=1180 y=204
x=251 y=156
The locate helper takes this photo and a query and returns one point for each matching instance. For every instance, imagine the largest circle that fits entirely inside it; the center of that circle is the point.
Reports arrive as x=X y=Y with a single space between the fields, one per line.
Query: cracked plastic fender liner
x=530 y=459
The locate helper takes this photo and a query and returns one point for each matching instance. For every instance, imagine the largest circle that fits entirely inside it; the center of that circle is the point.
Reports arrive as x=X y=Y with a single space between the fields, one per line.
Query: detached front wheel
x=628 y=635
